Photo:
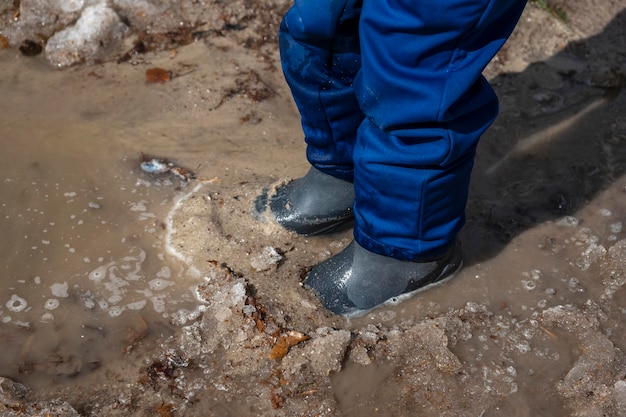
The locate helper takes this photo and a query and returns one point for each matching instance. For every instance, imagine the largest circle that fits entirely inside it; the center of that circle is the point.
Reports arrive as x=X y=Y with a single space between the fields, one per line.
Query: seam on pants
x=329 y=64
x=421 y=216
x=453 y=57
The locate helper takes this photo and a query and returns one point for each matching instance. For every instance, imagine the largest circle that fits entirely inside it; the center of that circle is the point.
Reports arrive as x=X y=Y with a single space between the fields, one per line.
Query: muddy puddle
x=127 y=293
x=84 y=271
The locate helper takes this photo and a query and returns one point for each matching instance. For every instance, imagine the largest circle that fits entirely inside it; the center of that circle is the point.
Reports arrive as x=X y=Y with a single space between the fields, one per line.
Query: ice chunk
x=69 y=6
x=11 y=392
x=590 y=256
x=322 y=354
x=619 y=394
x=266 y=259
x=98 y=30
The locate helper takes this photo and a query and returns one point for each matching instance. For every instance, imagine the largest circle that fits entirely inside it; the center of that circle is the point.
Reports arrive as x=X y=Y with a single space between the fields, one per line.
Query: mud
x=154 y=296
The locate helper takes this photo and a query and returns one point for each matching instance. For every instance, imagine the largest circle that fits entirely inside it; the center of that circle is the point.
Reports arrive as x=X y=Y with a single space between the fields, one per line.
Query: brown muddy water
x=85 y=272
x=83 y=265
x=88 y=273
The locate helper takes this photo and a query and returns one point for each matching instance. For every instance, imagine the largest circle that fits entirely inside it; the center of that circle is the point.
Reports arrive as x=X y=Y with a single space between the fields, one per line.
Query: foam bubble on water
x=134 y=264
x=47 y=317
x=606 y=212
x=145 y=292
x=116 y=311
x=51 y=304
x=165 y=272
x=159 y=284
x=70 y=194
x=116 y=298
x=143 y=183
x=59 y=290
x=574 y=285
x=138 y=305
x=158 y=303
x=387 y=315
x=138 y=206
x=99 y=273
x=511 y=371
x=146 y=216
x=171 y=230
x=16 y=303
x=522 y=346
x=569 y=221
x=617 y=227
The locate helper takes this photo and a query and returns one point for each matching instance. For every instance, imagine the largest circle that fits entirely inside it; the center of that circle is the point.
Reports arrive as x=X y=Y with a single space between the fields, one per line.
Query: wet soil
x=127 y=293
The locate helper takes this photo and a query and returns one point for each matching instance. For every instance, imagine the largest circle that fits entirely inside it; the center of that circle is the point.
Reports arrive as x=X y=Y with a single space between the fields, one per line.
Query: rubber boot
x=314 y=204
x=355 y=281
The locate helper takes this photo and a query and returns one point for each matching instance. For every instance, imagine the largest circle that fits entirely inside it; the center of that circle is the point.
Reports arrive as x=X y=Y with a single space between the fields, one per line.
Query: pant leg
x=426 y=105
x=320 y=57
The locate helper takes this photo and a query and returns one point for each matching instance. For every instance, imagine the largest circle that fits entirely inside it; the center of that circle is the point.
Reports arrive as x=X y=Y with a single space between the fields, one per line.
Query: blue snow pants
x=391 y=96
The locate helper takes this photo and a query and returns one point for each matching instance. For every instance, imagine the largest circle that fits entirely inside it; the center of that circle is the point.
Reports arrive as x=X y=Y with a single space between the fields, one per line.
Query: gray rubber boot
x=314 y=204
x=355 y=281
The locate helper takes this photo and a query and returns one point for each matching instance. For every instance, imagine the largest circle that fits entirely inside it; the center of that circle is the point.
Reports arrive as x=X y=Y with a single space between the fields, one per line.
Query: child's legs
x=320 y=57
x=426 y=105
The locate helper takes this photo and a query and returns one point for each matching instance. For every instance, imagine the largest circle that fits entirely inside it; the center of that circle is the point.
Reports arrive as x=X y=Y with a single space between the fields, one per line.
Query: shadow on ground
x=556 y=144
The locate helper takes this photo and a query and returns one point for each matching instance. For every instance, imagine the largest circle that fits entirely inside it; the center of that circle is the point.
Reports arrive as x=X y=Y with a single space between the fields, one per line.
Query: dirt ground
x=533 y=325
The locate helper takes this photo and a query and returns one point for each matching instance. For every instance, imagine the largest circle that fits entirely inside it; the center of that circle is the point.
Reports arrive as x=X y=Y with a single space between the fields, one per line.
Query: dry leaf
x=158 y=75
x=285 y=342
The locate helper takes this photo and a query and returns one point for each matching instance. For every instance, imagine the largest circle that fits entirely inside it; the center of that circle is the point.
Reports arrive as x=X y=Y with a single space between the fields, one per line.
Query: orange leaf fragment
x=158 y=75
x=165 y=410
x=285 y=342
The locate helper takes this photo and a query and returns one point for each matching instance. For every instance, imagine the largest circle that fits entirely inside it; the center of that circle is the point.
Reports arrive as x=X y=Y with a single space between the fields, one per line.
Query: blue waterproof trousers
x=391 y=96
